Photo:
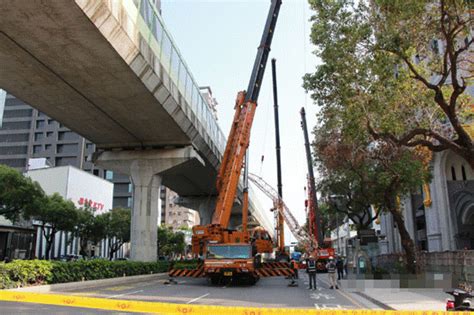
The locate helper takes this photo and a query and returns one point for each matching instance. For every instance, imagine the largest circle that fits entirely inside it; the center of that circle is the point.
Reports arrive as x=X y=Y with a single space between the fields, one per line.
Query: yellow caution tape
x=171 y=308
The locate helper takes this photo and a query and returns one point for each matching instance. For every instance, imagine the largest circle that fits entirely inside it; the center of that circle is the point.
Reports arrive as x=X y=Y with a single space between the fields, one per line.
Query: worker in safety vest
x=331 y=267
x=311 y=270
x=294 y=267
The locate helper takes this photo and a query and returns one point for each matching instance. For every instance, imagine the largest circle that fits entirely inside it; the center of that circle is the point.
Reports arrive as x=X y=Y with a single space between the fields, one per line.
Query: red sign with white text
x=89 y=202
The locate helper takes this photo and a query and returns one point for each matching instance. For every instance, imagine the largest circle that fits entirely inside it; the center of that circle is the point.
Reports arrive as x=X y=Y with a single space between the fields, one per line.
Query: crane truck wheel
x=214 y=280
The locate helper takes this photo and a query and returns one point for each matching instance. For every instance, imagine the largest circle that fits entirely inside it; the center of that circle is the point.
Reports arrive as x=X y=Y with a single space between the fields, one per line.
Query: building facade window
x=67 y=148
x=109 y=175
x=39 y=136
x=40 y=124
x=453 y=172
x=67 y=135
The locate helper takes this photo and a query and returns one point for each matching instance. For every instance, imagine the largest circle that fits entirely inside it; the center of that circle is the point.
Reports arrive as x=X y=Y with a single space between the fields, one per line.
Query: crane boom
x=216 y=242
x=313 y=201
x=256 y=78
x=280 y=228
x=239 y=136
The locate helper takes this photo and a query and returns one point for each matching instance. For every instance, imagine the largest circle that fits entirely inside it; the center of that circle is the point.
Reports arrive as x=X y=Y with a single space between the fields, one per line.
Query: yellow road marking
x=170 y=308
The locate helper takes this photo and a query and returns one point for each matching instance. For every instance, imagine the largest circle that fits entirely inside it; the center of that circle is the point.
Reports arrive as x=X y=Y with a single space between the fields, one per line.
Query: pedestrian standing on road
x=331 y=268
x=340 y=268
x=311 y=270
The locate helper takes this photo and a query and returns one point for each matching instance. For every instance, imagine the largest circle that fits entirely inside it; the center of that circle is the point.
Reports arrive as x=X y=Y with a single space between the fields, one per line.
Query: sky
x=219 y=40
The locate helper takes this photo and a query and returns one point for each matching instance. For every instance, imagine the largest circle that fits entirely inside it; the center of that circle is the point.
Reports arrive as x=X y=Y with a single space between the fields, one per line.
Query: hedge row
x=35 y=272
x=186 y=264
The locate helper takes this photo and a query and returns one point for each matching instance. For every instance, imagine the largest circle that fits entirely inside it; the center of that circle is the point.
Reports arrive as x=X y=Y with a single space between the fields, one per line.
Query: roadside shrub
x=186 y=264
x=5 y=281
x=103 y=269
x=35 y=272
x=26 y=272
x=380 y=273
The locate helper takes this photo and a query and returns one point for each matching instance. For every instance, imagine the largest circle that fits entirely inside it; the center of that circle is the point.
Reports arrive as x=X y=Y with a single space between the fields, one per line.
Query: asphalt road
x=268 y=292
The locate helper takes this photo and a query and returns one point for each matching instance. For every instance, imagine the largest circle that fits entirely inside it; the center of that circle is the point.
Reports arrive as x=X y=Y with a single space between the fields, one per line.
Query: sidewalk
x=385 y=295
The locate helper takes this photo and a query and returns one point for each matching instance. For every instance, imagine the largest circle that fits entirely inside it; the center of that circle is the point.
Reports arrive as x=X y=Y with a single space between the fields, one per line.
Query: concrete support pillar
x=440 y=226
x=144 y=168
x=146 y=192
x=206 y=210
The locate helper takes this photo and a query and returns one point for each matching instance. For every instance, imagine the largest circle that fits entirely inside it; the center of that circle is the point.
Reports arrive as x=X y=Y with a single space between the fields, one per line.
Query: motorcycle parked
x=461 y=301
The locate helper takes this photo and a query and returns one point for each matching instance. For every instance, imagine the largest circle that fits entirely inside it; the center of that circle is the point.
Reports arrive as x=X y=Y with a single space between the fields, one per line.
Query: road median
x=81 y=285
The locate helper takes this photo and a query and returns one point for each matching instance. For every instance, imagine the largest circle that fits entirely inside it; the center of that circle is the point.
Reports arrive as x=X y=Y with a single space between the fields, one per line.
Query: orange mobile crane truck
x=231 y=254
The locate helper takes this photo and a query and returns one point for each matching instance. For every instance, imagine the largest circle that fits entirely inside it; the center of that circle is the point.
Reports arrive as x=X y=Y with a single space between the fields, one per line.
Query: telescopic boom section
x=256 y=78
x=239 y=136
x=313 y=201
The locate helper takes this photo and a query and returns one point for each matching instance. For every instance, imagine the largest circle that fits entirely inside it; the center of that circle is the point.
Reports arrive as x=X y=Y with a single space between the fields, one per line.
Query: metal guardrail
x=164 y=47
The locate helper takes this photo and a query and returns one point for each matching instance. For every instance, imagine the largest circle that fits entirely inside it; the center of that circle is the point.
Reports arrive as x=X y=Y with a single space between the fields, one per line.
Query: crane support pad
x=193 y=273
x=274 y=269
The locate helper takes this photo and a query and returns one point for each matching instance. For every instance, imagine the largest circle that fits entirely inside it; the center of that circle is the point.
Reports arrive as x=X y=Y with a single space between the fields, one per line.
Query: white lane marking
x=318 y=296
x=330 y=306
x=198 y=298
x=123 y=294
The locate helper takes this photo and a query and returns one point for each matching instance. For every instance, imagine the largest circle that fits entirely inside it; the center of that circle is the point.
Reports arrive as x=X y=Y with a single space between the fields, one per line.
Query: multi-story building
x=27 y=133
x=176 y=216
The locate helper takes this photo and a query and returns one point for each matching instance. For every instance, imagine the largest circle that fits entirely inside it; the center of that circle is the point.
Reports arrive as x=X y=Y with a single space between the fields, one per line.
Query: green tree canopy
x=170 y=242
x=117 y=228
x=18 y=194
x=89 y=228
x=399 y=68
x=56 y=214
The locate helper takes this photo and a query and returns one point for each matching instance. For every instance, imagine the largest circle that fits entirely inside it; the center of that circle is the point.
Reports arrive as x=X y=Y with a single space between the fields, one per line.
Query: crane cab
x=261 y=240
